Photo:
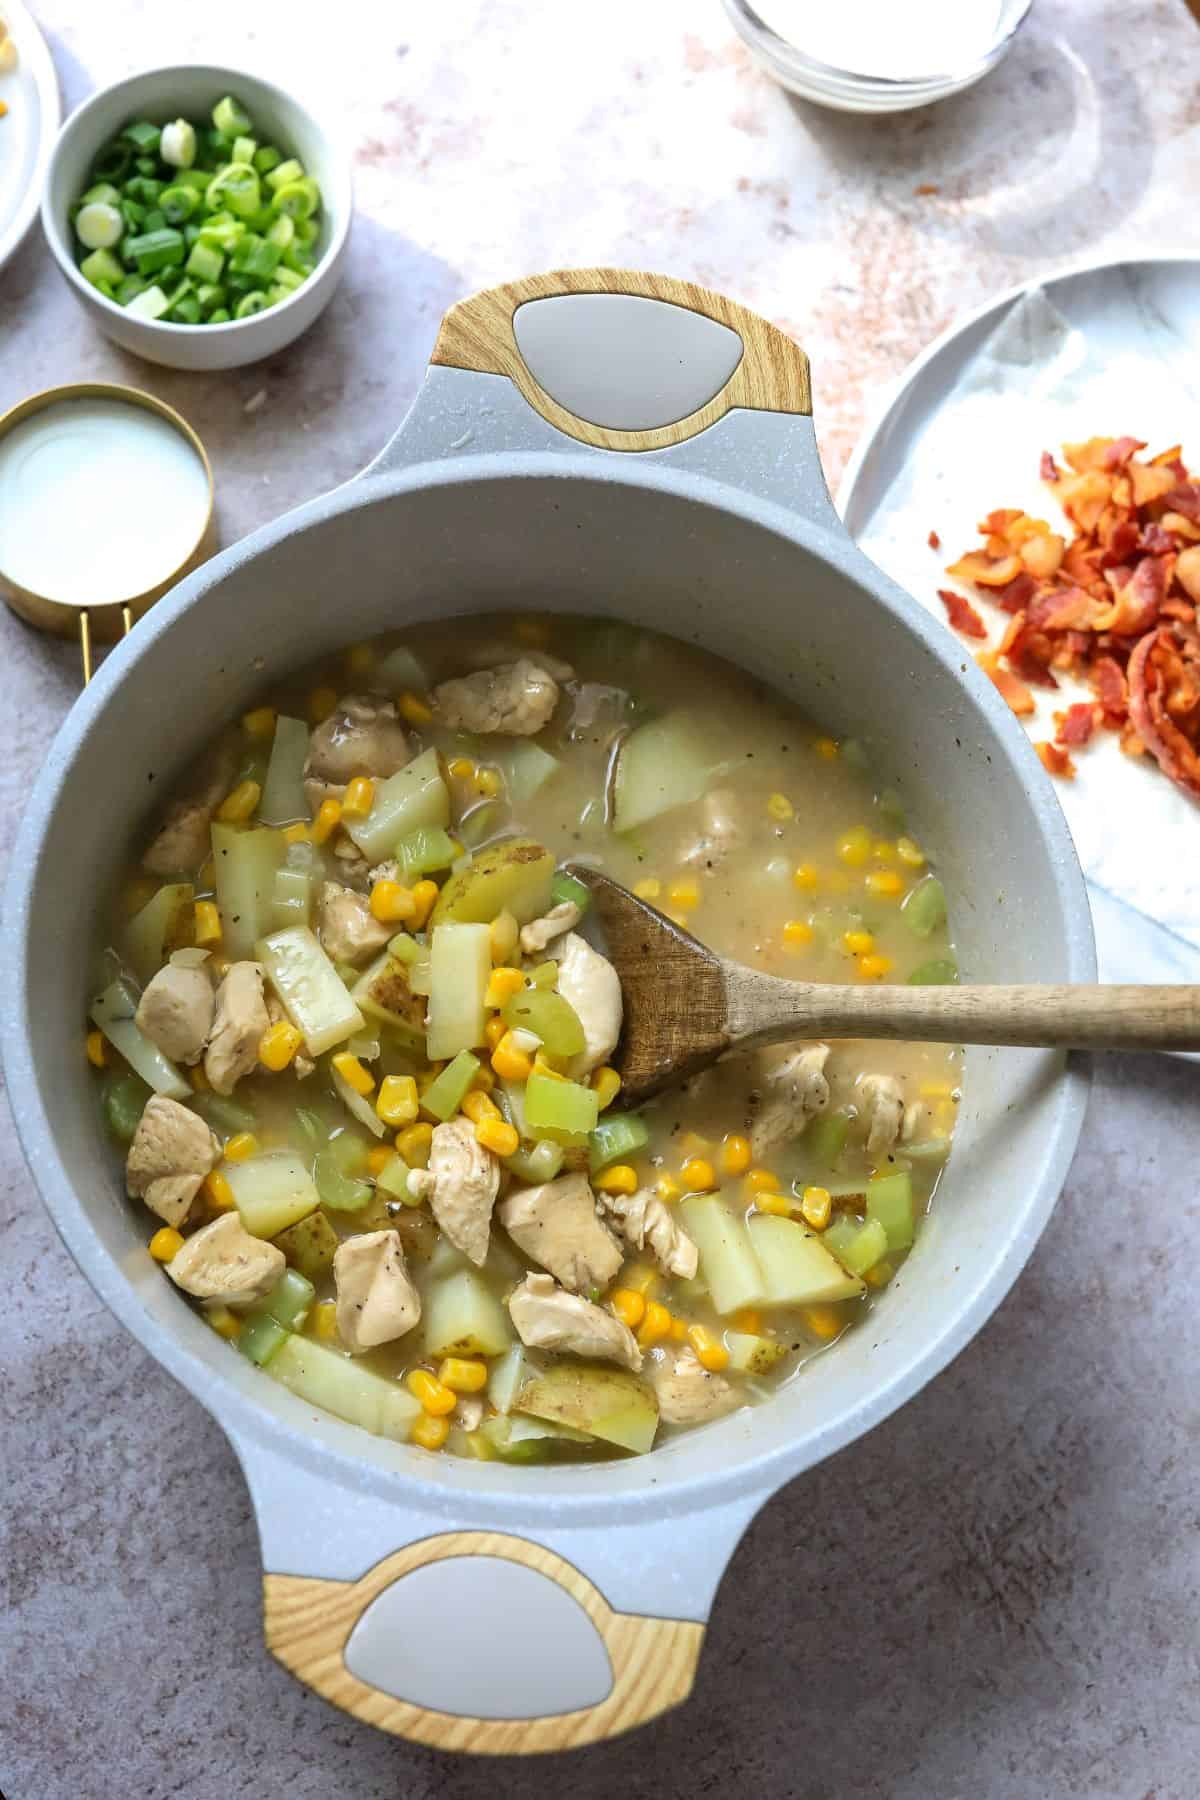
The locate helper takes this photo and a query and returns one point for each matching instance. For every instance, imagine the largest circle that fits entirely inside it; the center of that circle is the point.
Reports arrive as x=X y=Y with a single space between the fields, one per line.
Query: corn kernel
x=826 y=748
x=880 y=1274
x=503 y=983
x=656 y=1323
x=532 y=631
x=643 y=1280
x=378 y=1160
x=709 y=1349
x=509 y=1061
x=278 y=1045
x=884 y=851
x=494 y=1033
x=698 y=1175
x=165 y=1244
x=778 y=1204
x=96 y=1053
x=910 y=852
x=761 y=1181
x=649 y=889
x=620 y=1179
x=606 y=1085
x=359 y=797
x=685 y=894
x=226 y=1324
x=667 y=1188
x=488 y=782
x=544 y=1064
x=396 y=1101
x=241 y=1145
x=198 y=1079
x=806 y=876
x=297 y=834
x=629 y=1306
x=329 y=817
x=735 y=1154
x=391 y=903
x=816 y=1207
x=943 y=1118
x=479 y=1106
x=692 y=1144
x=679 y=1330
x=463 y=1374
x=798 y=934
x=859 y=943
x=936 y=1090
x=260 y=723
x=324 y=1319
x=874 y=968
x=748 y=1319
x=461 y=767
x=429 y=1432
x=424 y=894
x=207 y=925
x=360 y=659
x=321 y=703
x=887 y=883
x=825 y=1322
x=434 y=1395
x=498 y=1136
x=780 y=807
x=505 y=934
x=217 y=1192
x=414 y=709
x=854 y=847
x=353 y=1073
x=413 y=1144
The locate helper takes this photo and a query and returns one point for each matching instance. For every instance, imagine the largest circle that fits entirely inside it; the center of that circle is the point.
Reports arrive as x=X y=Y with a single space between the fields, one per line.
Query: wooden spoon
x=686 y=1006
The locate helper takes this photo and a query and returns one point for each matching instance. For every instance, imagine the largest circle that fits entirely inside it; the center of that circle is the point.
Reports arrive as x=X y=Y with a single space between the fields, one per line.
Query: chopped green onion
x=99 y=225
x=102 y=193
x=178 y=203
x=924 y=908
x=244 y=150
x=177 y=147
x=939 y=971
x=155 y=250
x=298 y=199
x=229 y=118
x=446 y=1092
x=142 y=135
x=284 y=173
x=618 y=1136
x=235 y=187
x=100 y=266
x=249 y=304
x=266 y=159
x=565 y=887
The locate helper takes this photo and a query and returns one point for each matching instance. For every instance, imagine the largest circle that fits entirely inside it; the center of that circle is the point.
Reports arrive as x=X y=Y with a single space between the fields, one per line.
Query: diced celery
x=550 y=1017
x=393 y=1179
x=417 y=795
x=157 y=928
x=508 y=1377
x=288 y=1301
x=564 y=1111
x=610 y=1404
x=246 y=863
x=481 y=823
x=404 y=948
x=660 y=766
x=337 y=1190
x=545 y=975
x=310 y=1245
x=797 y=1268
x=424 y=850
x=272 y=1191
x=446 y=1092
x=939 y=971
x=358 y=1105
x=399 y=672
x=124 y=1102
x=890 y=1201
x=616 y=1137
x=464 y=1318
x=283 y=801
x=513 y=876
x=924 y=907
x=223 y=1114
x=857 y=1247
x=384 y=991
x=313 y=996
x=510 y=1098
x=727 y=1259
x=348 y=1152
x=460 y=968
x=564 y=887
x=311 y=1129
x=825 y=1138
x=261 y=1338
x=291 y=899
x=113 y=1012
x=327 y=1379
x=538 y=1165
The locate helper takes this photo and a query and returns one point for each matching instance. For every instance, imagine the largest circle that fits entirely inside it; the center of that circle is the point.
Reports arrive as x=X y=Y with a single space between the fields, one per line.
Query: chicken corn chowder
x=357 y=1041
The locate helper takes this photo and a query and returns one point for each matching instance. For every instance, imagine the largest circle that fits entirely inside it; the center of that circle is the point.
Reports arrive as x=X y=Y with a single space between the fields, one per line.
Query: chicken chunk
x=349 y=930
x=171 y=1153
x=516 y=699
x=176 y=1010
x=589 y=983
x=557 y=1226
x=240 y=1020
x=223 y=1262
x=883 y=1105
x=468 y=1414
x=183 y=841
x=647 y=1223
x=362 y=736
x=492 y=655
x=688 y=1393
x=376 y=1300
x=792 y=1093
x=723 y=830
x=563 y=917
x=461 y=1184
x=548 y=1318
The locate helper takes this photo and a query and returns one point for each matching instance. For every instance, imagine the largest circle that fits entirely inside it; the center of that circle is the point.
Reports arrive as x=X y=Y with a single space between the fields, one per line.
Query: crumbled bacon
x=935 y=542
x=1115 y=602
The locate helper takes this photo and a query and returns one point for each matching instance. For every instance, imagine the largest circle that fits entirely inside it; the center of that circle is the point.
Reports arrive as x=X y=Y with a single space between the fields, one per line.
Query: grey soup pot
x=591 y=442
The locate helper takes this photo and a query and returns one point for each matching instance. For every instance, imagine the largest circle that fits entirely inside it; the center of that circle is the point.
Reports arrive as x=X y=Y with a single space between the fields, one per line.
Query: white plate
x=1129 y=352
x=27 y=132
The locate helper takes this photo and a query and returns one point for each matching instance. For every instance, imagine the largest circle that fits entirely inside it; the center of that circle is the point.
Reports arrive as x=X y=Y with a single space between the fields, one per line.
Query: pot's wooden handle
x=771 y=374
x=309 y=1623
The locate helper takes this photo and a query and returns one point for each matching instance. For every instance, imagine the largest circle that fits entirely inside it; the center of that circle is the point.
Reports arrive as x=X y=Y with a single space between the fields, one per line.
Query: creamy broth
x=790 y=857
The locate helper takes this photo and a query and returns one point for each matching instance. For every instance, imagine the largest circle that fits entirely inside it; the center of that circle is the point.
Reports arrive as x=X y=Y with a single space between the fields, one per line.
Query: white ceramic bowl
x=191 y=92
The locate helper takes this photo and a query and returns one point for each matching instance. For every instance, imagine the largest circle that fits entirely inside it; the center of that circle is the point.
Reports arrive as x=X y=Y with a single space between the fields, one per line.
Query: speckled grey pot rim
x=587 y=1493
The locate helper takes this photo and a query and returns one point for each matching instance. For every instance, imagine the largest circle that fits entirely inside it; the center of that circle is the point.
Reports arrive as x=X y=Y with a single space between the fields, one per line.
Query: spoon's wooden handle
x=763 y=1009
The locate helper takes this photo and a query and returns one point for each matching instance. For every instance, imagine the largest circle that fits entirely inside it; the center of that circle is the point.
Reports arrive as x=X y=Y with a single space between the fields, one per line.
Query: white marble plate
x=1099 y=350
x=28 y=129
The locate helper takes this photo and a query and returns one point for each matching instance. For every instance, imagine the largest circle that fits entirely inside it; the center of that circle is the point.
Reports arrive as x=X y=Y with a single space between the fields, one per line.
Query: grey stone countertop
x=994 y=1595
